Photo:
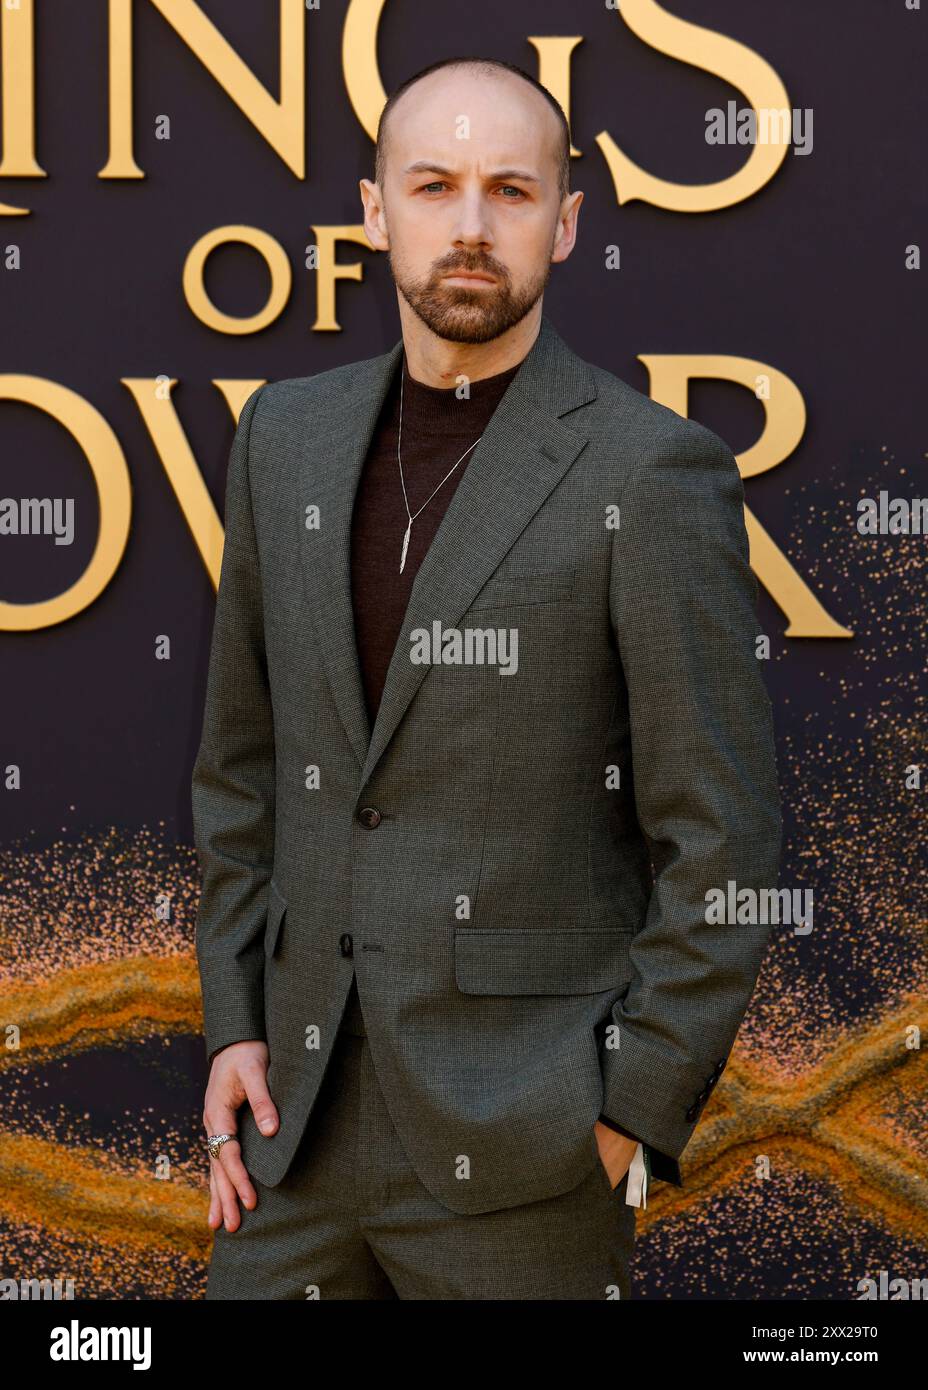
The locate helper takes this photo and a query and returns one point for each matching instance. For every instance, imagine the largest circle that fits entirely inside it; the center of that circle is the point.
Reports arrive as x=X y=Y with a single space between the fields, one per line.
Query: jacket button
x=369 y=817
x=346 y=944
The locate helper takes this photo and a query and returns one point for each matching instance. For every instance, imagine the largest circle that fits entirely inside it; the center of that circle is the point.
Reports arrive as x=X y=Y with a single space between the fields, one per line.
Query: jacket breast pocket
x=276 y=911
x=521 y=590
x=562 y=960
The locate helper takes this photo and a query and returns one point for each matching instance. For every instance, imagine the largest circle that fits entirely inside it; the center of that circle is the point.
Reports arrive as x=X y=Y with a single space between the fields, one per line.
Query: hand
x=238 y=1073
x=615 y=1150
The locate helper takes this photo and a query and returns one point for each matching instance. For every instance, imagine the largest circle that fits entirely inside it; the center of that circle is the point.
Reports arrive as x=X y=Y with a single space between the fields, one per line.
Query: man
x=483 y=727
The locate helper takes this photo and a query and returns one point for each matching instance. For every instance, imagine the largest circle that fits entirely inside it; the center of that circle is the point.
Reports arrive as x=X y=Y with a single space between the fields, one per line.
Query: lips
x=469 y=275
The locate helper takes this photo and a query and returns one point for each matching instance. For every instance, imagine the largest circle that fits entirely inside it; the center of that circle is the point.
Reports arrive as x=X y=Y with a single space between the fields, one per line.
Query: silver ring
x=215 y=1142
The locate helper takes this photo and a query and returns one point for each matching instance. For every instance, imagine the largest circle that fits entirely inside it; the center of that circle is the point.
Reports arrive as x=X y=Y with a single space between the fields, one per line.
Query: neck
x=435 y=361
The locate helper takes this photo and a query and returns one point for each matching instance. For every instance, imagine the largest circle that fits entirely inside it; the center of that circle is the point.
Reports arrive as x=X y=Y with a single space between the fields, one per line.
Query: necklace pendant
x=405 y=547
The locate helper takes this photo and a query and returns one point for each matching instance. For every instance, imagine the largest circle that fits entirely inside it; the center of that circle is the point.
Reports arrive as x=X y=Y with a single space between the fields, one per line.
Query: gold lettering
x=107 y=462
x=280 y=122
x=17 y=73
x=725 y=58
x=784 y=423
x=670 y=375
x=156 y=408
x=554 y=71
x=195 y=290
x=359 y=62
x=329 y=271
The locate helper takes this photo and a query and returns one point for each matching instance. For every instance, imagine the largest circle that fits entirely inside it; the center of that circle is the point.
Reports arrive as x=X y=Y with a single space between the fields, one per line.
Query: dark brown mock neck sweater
x=438 y=427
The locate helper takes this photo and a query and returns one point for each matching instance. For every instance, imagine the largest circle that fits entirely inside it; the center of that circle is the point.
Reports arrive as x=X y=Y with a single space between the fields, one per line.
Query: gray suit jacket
x=530 y=940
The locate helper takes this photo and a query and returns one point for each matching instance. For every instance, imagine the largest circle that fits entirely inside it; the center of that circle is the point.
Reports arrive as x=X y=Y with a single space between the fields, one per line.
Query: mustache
x=480 y=265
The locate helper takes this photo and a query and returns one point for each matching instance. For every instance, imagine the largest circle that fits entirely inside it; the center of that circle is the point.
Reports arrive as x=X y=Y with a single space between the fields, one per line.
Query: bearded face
x=476 y=312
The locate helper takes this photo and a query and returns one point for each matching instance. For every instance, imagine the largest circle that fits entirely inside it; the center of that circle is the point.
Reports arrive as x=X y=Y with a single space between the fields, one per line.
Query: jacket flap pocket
x=538 y=960
x=504 y=590
x=276 y=907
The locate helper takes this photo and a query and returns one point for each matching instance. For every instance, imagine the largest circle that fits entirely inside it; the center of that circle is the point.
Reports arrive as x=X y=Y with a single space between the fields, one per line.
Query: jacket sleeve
x=233 y=785
x=682 y=599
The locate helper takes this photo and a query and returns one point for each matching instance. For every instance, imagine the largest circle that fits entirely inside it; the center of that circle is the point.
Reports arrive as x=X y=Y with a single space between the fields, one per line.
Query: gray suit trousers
x=351 y=1220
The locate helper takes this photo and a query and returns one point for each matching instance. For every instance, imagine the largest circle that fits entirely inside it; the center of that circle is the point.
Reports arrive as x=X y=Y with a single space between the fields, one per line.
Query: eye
x=512 y=189
x=436 y=183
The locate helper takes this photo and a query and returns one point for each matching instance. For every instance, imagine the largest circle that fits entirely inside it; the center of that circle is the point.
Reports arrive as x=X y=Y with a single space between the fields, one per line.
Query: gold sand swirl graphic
x=837 y=1120
x=89 y=1195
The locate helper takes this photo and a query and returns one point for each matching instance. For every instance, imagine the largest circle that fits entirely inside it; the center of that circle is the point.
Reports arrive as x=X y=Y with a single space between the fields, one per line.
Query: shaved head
x=490 y=68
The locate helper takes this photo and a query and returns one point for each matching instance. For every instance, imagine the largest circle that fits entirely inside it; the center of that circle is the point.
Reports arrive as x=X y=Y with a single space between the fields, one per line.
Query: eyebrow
x=424 y=166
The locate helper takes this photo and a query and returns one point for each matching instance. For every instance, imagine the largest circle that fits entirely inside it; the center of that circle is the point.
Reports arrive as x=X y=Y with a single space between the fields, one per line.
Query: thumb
x=254 y=1079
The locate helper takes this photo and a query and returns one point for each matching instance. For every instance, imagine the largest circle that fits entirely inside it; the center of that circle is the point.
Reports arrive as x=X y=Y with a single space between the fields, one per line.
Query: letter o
x=104 y=453
x=275 y=259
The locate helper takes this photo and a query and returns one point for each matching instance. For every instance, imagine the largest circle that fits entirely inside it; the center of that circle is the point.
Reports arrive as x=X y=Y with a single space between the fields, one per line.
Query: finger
x=222 y=1119
x=228 y=1197
x=254 y=1078
x=233 y=1169
x=215 y=1205
x=219 y=1115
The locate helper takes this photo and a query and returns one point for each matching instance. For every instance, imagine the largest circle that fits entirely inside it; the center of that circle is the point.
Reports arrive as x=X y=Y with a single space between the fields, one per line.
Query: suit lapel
x=342 y=427
x=524 y=452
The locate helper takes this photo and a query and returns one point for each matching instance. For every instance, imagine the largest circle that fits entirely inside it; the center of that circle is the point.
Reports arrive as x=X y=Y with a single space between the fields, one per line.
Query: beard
x=462 y=315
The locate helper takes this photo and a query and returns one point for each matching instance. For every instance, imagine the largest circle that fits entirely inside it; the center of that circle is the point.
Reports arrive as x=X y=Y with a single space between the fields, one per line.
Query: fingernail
x=267 y=1126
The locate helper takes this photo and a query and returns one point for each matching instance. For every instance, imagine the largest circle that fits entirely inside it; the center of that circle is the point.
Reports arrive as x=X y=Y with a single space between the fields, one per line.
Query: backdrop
x=772 y=291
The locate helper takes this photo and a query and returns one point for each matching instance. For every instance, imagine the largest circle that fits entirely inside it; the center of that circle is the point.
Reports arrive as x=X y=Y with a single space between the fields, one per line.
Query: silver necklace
x=412 y=516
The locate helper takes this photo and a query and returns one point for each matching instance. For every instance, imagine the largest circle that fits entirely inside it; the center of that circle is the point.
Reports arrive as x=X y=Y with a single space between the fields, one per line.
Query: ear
x=375 y=223
x=566 y=237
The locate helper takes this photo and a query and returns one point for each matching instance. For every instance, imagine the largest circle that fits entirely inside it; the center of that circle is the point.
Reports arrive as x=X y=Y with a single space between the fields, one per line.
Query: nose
x=472 y=229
